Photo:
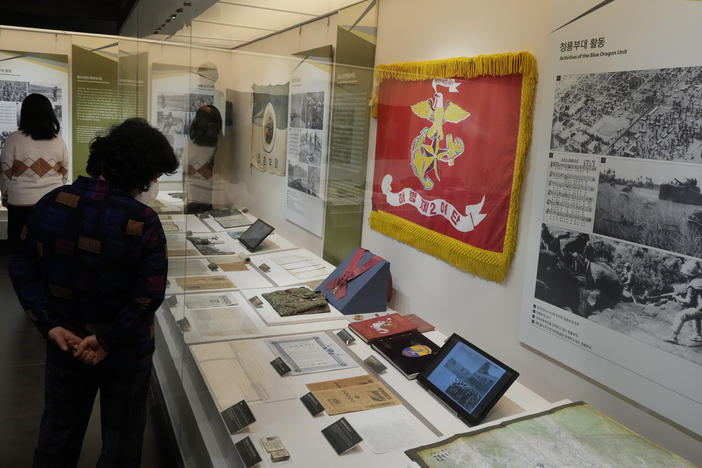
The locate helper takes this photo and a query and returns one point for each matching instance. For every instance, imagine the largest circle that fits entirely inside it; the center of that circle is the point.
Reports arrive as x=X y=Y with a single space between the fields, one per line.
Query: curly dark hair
x=206 y=126
x=37 y=118
x=131 y=155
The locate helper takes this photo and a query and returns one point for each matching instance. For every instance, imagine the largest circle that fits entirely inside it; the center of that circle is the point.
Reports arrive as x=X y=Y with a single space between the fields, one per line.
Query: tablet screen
x=255 y=234
x=467 y=379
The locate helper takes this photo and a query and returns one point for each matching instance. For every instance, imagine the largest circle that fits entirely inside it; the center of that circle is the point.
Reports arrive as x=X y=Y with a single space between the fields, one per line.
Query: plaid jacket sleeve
x=138 y=315
x=27 y=277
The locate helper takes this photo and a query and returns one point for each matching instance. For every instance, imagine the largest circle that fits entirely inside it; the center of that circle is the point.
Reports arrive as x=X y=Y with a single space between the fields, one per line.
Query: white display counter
x=189 y=338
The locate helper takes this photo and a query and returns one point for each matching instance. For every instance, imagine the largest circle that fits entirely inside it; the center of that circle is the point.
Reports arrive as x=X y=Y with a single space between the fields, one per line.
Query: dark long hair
x=37 y=118
x=206 y=126
x=132 y=155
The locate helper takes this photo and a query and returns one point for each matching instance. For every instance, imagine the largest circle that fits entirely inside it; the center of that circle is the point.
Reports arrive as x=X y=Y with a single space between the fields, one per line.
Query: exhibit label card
x=247 y=452
x=280 y=366
x=618 y=235
x=312 y=403
x=375 y=364
x=238 y=416
x=341 y=436
x=346 y=337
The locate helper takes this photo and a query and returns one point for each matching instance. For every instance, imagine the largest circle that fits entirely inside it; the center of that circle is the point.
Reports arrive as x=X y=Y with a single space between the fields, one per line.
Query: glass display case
x=296 y=151
x=269 y=199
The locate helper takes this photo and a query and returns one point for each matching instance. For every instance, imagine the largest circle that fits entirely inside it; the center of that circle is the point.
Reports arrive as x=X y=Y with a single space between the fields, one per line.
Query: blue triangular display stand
x=366 y=293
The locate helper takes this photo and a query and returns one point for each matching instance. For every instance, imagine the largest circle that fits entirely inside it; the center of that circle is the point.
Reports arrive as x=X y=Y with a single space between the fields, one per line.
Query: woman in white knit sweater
x=33 y=162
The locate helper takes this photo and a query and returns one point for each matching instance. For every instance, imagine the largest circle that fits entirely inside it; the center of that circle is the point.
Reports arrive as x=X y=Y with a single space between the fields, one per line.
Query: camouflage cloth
x=296 y=301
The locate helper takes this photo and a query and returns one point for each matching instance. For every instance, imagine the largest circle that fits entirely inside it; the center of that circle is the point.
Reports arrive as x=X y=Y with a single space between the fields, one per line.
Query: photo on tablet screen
x=467 y=379
x=466 y=376
x=255 y=234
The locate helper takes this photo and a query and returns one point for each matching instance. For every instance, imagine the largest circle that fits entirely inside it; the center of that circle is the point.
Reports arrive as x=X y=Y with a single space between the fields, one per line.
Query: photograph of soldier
x=692 y=300
x=647 y=114
x=640 y=292
x=651 y=203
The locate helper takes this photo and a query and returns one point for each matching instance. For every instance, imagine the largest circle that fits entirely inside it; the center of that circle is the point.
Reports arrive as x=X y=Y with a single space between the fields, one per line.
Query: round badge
x=416 y=351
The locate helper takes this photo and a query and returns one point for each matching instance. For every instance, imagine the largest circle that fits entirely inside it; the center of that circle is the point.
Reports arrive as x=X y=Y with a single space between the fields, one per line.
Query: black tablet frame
x=256 y=223
x=491 y=398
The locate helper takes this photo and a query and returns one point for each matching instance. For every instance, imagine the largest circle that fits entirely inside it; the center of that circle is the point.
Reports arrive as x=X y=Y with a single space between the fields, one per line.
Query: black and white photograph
x=466 y=376
x=13 y=91
x=646 y=294
x=58 y=110
x=313 y=180
x=52 y=92
x=652 y=203
x=296 y=109
x=3 y=136
x=298 y=177
x=307 y=110
x=171 y=102
x=171 y=122
x=314 y=104
x=647 y=114
x=196 y=101
x=311 y=147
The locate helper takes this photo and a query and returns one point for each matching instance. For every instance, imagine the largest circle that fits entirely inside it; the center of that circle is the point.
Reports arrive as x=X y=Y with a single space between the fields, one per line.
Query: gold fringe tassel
x=490 y=265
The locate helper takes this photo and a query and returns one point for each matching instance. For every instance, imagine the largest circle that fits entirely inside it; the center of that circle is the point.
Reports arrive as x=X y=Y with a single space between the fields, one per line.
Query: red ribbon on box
x=338 y=284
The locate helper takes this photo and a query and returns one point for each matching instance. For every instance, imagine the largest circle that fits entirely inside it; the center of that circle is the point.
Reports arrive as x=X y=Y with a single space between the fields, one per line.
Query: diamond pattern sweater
x=29 y=169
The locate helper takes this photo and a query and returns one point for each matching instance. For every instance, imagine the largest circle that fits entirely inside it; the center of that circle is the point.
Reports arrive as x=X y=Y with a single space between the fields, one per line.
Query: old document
x=352 y=394
x=199 y=283
x=306 y=354
x=240 y=370
x=209 y=301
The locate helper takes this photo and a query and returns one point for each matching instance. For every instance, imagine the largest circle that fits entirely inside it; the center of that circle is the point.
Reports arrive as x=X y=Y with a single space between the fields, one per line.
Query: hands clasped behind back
x=87 y=350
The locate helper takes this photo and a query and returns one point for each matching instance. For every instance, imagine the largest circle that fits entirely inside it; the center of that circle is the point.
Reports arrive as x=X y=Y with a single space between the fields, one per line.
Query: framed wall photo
x=450 y=155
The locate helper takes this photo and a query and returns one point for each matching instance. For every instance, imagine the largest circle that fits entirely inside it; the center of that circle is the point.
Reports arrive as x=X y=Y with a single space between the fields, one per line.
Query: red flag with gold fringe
x=451 y=142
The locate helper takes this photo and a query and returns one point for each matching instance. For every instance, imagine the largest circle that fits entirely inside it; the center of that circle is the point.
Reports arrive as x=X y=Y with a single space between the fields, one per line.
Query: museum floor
x=21 y=392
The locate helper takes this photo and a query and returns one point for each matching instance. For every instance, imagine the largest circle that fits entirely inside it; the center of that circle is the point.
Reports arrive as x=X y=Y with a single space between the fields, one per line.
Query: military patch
x=60 y=292
x=89 y=245
x=68 y=199
x=134 y=228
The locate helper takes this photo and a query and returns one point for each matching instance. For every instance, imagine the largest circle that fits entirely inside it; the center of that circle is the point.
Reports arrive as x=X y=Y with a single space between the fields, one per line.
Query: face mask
x=146 y=197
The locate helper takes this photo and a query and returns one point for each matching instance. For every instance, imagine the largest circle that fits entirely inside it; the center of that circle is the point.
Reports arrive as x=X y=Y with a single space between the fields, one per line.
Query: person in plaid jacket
x=90 y=271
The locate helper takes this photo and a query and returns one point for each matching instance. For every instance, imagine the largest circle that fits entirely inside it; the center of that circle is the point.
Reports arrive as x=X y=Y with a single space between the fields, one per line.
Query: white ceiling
x=231 y=23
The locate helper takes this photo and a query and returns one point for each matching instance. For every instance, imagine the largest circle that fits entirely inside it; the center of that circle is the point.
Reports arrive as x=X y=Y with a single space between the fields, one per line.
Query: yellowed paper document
x=352 y=394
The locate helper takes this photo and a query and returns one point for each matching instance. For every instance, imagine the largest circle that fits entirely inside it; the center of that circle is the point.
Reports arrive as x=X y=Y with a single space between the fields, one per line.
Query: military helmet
x=691 y=268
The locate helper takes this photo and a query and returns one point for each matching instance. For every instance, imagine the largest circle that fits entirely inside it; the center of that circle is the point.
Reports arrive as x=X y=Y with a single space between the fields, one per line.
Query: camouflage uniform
x=296 y=301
